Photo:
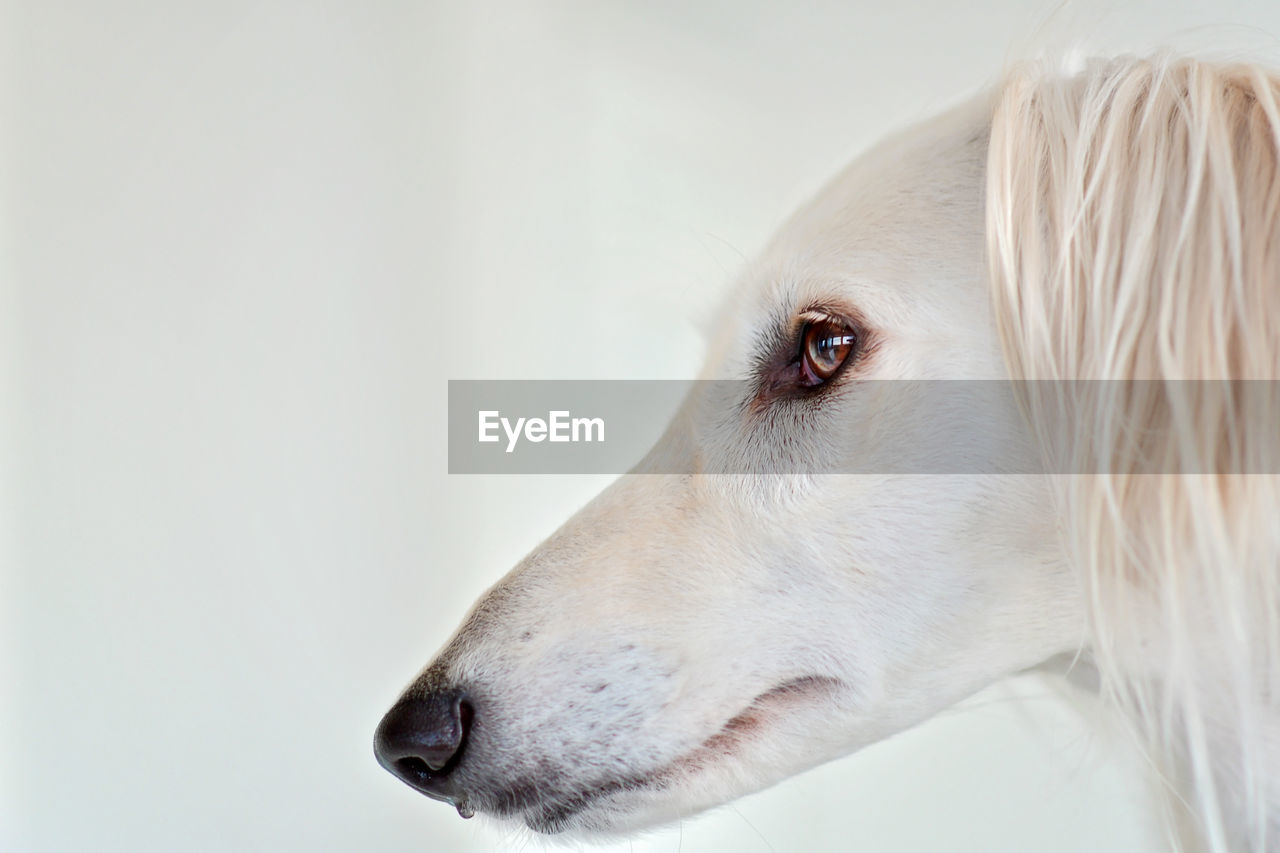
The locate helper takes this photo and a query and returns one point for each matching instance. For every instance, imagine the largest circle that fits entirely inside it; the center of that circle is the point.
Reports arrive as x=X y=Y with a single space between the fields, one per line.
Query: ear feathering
x=1133 y=227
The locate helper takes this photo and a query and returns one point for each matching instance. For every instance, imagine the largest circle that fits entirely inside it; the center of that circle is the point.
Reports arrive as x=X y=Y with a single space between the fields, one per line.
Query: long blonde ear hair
x=1133 y=224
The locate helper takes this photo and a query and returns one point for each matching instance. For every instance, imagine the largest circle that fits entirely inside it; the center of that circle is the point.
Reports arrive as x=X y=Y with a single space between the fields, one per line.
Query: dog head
x=689 y=638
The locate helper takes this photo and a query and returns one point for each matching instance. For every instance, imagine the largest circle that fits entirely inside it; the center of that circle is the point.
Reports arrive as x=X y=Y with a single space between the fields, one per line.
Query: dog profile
x=688 y=638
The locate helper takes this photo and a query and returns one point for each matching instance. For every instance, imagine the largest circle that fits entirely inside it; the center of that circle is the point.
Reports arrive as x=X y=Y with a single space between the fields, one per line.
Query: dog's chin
x=606 y=809
x=724 y=766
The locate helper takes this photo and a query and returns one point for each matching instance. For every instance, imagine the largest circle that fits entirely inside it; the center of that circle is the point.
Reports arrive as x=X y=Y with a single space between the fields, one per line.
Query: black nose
x=422 y=738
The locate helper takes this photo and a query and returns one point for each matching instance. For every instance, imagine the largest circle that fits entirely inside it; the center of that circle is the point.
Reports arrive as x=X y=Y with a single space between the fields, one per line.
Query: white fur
x=686 y=639
x=1133 y=222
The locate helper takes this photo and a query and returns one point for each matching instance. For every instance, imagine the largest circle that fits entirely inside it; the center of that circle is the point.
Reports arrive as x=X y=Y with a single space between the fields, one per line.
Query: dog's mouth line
x=554 y=817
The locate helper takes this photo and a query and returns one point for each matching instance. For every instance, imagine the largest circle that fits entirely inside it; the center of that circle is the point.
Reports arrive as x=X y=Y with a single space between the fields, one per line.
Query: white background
x=245 y=244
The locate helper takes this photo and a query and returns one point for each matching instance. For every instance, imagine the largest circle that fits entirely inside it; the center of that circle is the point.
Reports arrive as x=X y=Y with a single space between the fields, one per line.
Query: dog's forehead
x=897 y=237
x=910 y=205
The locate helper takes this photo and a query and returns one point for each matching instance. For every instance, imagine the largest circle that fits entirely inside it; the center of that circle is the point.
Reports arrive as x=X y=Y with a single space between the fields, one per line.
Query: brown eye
x=824 y=346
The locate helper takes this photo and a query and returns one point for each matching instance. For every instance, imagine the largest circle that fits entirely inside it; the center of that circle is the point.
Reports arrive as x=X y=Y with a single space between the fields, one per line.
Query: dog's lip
x=553 y=817
x=739 y=727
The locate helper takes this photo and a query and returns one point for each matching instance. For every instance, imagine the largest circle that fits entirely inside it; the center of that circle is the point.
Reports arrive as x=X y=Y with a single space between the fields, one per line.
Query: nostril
x=421 y=739
x=412 y=768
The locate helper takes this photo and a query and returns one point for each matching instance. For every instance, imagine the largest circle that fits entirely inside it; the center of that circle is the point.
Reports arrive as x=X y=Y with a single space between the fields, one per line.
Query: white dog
x=688 y=638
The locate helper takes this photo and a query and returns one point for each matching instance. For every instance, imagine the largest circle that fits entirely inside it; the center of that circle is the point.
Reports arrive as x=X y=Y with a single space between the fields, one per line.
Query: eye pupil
x=827 y=344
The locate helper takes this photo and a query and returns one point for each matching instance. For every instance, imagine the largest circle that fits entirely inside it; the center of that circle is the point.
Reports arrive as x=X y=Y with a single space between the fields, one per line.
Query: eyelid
x=819 y=315
x=825 y=314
